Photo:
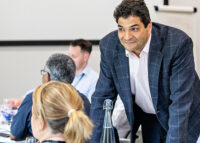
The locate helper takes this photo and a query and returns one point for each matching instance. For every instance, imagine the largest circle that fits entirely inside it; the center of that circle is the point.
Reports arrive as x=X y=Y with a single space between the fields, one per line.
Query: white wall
x=188 y=22
x=51 y=19
x=195 y=28
x=20 y=66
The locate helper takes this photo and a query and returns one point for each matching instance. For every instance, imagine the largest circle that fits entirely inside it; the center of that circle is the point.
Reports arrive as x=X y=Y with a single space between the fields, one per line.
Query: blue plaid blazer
x=174 y=84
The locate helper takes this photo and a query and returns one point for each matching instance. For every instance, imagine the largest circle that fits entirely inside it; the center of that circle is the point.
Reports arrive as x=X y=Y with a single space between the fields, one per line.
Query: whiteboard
x=186 y=22
x=56 y=19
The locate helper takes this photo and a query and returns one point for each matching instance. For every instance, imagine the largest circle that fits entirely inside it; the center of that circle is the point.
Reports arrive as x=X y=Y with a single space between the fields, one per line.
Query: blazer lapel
x=154 y=63
x=121 y=66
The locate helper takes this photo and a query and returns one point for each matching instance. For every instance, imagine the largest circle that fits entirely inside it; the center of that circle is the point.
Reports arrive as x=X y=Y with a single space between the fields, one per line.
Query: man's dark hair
x=61 y=68
x=85 y=45
x=133 y=8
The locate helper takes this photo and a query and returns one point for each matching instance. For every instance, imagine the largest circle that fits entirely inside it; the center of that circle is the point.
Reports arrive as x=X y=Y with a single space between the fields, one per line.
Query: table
x=5 y=128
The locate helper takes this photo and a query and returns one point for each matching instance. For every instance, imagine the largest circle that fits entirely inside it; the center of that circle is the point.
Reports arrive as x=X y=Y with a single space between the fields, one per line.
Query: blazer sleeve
x=105 y=89
x=181 y=85
x=21 y=124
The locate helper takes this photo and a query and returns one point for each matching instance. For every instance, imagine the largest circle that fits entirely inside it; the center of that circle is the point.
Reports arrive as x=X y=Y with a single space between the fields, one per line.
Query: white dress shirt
x=86 y=81
x=119 y=119
x=139 y=80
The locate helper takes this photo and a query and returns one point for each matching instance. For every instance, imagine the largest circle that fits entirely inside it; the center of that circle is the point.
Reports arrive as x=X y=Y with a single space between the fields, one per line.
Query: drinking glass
x=31 y=140
x=6 y=111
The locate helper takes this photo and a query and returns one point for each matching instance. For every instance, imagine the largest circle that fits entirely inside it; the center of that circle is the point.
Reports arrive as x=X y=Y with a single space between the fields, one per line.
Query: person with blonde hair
x=57 y=114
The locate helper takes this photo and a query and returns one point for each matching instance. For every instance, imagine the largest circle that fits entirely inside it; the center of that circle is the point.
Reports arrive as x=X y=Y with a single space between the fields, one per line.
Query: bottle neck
x=107 y=119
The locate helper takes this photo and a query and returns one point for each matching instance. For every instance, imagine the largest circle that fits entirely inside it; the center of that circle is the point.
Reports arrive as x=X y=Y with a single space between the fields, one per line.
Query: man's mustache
x=130 y=41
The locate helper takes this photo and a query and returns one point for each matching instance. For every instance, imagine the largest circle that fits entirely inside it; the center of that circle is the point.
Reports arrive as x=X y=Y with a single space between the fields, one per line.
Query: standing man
x=151 y=67
x=86 y=78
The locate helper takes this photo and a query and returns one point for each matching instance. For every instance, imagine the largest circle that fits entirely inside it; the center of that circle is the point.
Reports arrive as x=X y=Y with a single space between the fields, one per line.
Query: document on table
x=4 y=134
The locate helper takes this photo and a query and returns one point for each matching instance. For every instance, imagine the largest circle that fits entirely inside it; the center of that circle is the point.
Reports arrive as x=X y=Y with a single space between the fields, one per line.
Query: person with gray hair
x=59 y=67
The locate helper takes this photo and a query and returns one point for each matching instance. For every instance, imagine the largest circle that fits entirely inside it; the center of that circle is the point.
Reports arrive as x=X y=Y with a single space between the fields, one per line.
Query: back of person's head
x=61 y=68
x=85 y=45
x=61 y=107
x=133 y=8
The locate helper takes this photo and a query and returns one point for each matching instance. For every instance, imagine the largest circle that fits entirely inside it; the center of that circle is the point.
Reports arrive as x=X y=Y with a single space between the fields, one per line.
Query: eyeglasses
x=43 y=72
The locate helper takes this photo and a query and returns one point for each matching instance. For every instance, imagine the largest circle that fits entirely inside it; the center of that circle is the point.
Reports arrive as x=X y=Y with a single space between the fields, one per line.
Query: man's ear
x=149 y=27
x=48 y=77
x=86 y=56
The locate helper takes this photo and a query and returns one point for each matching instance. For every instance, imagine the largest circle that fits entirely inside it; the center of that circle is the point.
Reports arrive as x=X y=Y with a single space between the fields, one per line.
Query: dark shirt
x=21 y=124
x=86 y=103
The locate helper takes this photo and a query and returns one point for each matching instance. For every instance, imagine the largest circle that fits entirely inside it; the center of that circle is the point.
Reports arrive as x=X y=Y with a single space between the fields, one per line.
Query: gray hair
x=61 y=68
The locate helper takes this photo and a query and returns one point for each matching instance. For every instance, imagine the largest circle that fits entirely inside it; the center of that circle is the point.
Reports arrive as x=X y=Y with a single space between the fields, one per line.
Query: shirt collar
x=146 y=48
x=85 y=70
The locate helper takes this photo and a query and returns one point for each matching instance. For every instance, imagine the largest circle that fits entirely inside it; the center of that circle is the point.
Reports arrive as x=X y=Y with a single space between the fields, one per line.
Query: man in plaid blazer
x=151 y=67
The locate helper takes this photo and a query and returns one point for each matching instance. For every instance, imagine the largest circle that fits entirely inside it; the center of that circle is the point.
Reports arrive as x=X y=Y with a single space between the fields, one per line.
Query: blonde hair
x=53 y=101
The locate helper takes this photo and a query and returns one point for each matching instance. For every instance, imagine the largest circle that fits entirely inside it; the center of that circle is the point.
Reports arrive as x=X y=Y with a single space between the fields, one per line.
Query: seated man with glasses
x=59 y=67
